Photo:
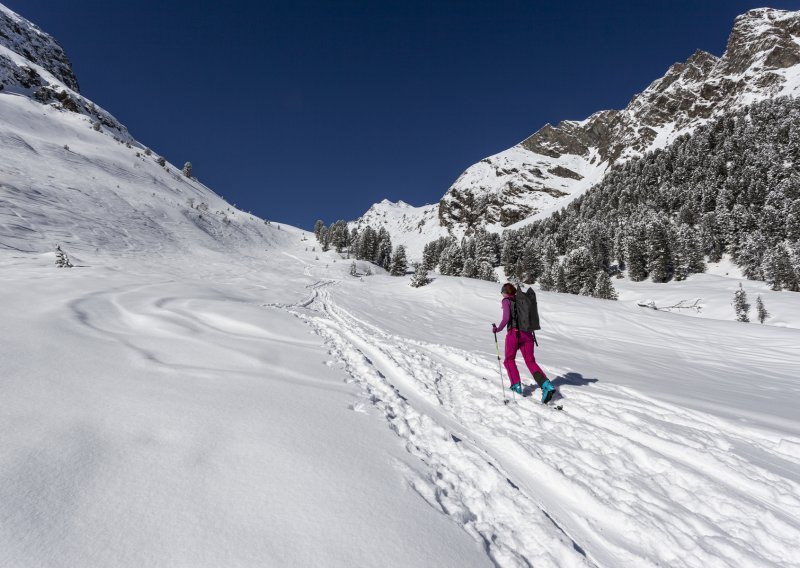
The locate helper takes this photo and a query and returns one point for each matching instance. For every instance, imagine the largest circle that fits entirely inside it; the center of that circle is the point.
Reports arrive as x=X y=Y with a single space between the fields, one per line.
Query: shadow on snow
x=570 y=379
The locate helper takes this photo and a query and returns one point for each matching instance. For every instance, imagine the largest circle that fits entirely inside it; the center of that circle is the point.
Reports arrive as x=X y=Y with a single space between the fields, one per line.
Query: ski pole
x=500 y=368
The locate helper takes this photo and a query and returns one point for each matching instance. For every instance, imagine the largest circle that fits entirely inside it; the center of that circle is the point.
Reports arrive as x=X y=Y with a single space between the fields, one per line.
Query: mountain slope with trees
x=557 y=164
x=732 y=187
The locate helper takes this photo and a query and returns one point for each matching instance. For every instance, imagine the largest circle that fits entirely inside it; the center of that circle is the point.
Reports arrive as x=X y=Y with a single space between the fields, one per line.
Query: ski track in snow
x=618 y=478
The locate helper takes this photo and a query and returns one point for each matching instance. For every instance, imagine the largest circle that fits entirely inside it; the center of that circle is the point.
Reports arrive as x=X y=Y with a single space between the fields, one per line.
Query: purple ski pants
x=524 y=344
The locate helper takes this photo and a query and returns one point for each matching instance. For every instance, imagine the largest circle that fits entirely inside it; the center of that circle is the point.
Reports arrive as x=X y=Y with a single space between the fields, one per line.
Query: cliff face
x=556 y=164
x=33 y=64
x=24 y=38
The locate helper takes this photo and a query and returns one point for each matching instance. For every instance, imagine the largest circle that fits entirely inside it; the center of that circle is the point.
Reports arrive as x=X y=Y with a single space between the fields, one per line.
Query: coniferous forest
x=731 y=187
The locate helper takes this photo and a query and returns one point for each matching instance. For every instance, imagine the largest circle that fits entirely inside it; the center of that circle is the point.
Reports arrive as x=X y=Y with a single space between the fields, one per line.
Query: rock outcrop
x=558 y=163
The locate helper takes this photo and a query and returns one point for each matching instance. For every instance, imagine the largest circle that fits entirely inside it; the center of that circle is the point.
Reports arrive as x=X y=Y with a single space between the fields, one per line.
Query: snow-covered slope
x=71 y=174
x=558 y=163
x=417 y=225
x=207 y=390
x=221 y=409
x=61 y=181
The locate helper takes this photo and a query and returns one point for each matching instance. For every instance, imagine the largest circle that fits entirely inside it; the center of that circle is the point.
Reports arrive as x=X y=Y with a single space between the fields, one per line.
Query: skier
x=517 y=339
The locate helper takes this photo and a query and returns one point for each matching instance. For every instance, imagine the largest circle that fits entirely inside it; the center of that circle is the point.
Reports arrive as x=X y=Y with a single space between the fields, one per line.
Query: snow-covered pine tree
x=619 y=250
x=487 y=247
x=338 y=235
x=451 y=262
x=548 y=280
x=187 y=169
x=579 y=270
x=793 y=220
x=420 y=277
x=510 y=255
x=366 y=244
x=516 y=271
x=383 y=254
x=777 y=268
x=62 y=259
x=319 y=226
x=762 y=312
x=399 y=262
x=603 y=288
x=353 y=269
x=486 y=271
x=531 y=264
x=740 y=305
x=470 y=269
x=693 y=250
x=635 y=259
x=429 y=256
x=660 y=261
x=750 y=255
x=561 y=279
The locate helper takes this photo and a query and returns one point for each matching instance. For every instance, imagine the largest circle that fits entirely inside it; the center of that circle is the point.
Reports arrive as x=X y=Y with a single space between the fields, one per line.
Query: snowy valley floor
x=209 y=411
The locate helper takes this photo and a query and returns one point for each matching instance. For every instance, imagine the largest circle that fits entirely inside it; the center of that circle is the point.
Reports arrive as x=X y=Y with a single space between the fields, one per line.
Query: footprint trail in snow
x=618 y=479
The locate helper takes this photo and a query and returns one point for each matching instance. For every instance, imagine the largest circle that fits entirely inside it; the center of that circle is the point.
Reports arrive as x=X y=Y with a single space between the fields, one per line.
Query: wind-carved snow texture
x=617 y=479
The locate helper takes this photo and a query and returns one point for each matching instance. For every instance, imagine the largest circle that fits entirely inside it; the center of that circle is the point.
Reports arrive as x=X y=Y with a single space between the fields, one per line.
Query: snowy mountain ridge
x=72 y=174
x=558 y=163
x=417 y=225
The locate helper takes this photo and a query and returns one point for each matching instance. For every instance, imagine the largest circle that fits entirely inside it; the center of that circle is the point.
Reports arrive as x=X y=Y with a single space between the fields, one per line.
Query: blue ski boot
x=517 y=388
x=548 y=390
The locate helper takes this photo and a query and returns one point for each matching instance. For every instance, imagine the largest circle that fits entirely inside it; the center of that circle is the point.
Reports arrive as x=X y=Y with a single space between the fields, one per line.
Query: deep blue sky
x=303 y=109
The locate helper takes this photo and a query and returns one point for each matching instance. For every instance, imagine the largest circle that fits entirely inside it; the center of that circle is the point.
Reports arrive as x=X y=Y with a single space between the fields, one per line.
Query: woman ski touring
x=520 y=340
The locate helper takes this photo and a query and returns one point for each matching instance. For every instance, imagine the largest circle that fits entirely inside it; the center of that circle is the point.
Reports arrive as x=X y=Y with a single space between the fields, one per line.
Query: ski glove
x=494 y=328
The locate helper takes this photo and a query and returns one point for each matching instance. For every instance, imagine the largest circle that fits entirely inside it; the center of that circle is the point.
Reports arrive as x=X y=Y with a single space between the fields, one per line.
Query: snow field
x=223 y=409
x=632 y=479
x=155 y=414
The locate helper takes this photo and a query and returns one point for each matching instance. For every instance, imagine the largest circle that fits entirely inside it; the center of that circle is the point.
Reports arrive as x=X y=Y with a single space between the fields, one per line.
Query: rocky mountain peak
x=34 y=65
x=763 y=36
x=26 y=39
x=558 y=163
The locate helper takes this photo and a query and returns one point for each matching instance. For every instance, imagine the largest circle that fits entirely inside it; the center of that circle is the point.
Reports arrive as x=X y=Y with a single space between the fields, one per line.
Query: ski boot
x=517 y=388
x=548 y=390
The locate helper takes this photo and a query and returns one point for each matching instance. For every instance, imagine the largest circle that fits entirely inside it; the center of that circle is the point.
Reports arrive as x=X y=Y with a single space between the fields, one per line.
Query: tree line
x=367 y=244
